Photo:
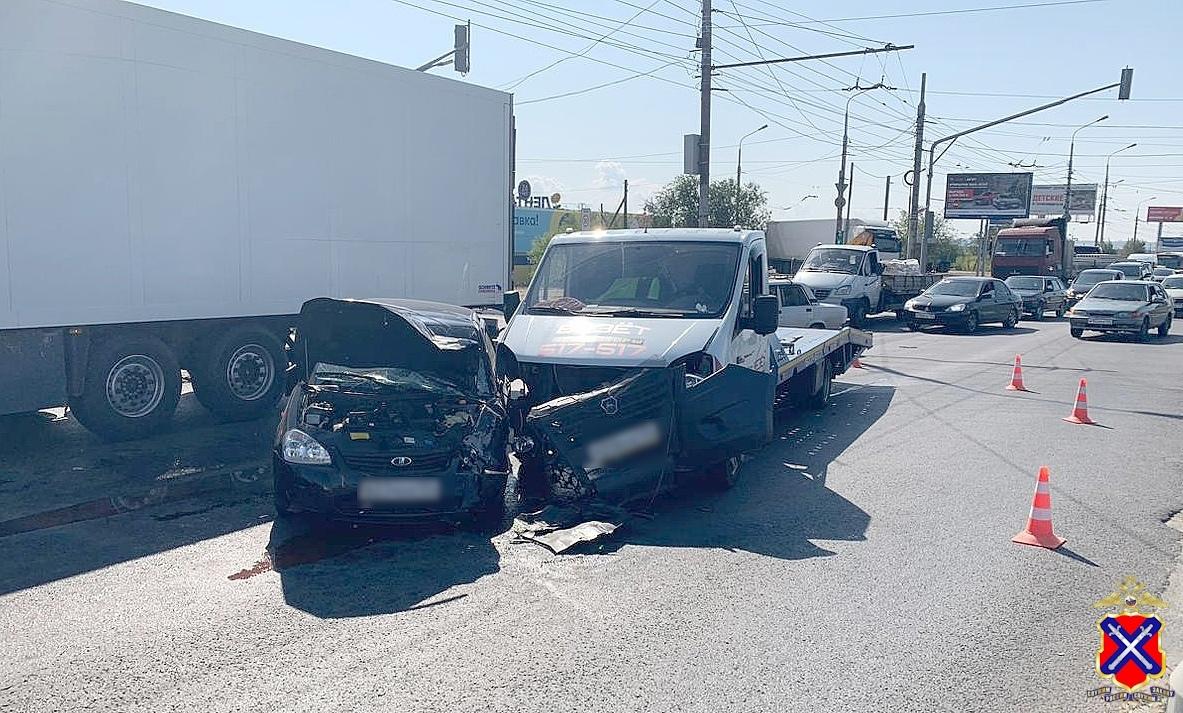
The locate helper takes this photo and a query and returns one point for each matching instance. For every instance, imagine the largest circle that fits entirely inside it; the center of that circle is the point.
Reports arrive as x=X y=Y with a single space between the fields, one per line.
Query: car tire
x=1037 y=315
x=817 y=325
x=283 y=504
x=489 y=517
x=858 y=315
x=1144 y=331
x=1165 y=328
x=1076 y=333
x=724 y=474
x=1063 y=308
x=240 y=375
x=819 y=397
x=971 y=323
x=133 y=385
x=1011 y=320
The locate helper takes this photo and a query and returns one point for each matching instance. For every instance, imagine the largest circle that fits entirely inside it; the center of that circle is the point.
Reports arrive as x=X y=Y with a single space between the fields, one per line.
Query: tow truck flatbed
x=800 y=349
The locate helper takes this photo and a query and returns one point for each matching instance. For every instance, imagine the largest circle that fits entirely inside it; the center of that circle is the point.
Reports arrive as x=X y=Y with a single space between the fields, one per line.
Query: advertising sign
x=1170 y=245
x=987 y=195
x=1164 y=214
x=1049 y=200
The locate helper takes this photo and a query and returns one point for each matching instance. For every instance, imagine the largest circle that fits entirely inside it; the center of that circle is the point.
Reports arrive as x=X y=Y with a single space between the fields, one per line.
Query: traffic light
x=1127 y=78
x=460 y=61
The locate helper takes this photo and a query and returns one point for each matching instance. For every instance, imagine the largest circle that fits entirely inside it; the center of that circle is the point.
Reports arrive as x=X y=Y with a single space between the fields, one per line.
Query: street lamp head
x=762 y=127
x=1103 y=118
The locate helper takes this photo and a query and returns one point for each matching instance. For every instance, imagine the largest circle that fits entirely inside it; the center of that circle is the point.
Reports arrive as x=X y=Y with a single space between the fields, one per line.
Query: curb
x=247 y=479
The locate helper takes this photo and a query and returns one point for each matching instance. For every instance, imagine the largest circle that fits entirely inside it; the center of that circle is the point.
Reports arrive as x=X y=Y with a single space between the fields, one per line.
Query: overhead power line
x=960 y=11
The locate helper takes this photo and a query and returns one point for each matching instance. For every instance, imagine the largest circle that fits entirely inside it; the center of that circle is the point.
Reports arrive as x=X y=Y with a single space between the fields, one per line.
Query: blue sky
x=980 y=65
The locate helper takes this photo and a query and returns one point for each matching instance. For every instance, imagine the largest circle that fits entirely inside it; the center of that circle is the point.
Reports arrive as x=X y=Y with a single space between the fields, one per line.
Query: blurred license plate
x=622 y=444
x=399 y=490
x=925 y=315
x=1100 y=321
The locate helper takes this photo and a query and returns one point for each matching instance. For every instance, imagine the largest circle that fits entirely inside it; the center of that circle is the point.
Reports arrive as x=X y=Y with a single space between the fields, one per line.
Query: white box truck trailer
x=172 y=190
x=789 y=241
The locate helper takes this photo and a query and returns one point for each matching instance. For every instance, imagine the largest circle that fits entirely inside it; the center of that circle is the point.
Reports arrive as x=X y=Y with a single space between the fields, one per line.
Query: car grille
x=929 y=308
x=431 y=462
x=822 y=294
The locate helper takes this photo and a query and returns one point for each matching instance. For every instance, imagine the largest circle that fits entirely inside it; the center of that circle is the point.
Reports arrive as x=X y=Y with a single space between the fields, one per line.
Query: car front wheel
x=971 y=322
x=1144 y=331
x=1077 y=332
x=1165 y=328
x=1013 y=318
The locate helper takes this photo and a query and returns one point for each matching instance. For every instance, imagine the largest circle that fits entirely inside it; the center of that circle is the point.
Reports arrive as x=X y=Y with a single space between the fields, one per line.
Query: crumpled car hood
x=612 y=341
x=822 y=280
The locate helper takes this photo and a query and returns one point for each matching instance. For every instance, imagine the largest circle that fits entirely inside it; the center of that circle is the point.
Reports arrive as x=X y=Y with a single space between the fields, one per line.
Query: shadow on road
x=334 y=570
x=781 y=504
x=1154 y=339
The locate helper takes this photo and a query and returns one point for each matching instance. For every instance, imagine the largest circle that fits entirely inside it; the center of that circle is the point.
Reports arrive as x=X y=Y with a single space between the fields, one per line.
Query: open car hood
x=426 y=337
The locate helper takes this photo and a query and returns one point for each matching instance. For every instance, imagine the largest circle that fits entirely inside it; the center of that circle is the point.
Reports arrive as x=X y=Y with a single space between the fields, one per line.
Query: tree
x=945 y=248
x=676 y=205
x=1132 y=246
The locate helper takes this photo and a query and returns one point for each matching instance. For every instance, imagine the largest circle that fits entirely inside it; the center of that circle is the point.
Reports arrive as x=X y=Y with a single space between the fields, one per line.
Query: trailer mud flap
x=725 y=414
x=610 y=443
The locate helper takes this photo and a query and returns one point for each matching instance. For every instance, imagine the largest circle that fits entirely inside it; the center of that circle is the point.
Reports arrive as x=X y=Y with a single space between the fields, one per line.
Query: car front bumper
x=1106 y=324
x=332 y=491
x=946 y=318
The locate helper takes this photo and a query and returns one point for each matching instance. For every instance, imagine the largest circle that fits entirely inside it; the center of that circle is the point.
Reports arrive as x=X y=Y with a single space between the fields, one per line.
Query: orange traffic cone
x=1080 y=414
x=1039 y=523
x=1016 y=378
x=856 y=364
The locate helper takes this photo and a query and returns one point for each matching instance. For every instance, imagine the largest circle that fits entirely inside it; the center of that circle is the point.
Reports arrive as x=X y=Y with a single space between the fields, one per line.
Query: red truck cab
x=1032 y=247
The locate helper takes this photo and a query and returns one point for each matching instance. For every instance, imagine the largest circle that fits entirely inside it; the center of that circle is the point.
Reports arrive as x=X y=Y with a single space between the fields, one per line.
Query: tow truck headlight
x=699 y=366
x=959 y=307
x=302 y=449
x=843 y=290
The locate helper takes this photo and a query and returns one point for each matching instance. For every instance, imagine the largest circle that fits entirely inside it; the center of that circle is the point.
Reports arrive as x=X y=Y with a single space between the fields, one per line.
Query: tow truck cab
x=643 y=352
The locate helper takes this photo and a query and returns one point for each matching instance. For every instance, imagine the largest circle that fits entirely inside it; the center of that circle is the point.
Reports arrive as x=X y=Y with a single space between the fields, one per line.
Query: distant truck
x=853 y=276
x=172 y=190
x=1037 y=246
x=1088 y=257
x=789 y=241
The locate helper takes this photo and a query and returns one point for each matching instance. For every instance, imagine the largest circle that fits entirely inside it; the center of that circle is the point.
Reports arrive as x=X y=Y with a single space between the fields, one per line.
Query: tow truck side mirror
x=765 y=314
x=510 y=301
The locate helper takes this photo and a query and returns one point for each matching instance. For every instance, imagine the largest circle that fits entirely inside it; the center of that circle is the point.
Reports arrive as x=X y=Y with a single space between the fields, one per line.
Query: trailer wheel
x=132 y=388
x=823 y=380
x=240 y=376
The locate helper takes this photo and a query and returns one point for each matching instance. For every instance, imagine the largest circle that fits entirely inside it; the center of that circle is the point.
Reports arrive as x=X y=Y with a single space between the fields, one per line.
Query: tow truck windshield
x=669 y=279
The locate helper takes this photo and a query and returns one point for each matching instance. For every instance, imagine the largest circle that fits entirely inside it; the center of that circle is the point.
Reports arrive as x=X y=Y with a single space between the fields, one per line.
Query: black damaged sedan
x=395 y=416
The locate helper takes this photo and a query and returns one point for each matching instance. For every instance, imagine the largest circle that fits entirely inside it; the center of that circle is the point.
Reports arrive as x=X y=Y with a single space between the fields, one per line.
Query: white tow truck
x=656 y=341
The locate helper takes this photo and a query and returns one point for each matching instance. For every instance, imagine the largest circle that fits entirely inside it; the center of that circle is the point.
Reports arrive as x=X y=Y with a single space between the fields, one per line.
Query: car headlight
x=1124 y=315
x=959 y=307
x=910 y=304
x=303 y=449
x=843 y=290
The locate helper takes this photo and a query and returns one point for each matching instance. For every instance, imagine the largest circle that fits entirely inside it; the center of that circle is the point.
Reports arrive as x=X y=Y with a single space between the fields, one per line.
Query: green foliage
x=946 y=247
x=676 y=205
x=538 y=248
x=1132 y=246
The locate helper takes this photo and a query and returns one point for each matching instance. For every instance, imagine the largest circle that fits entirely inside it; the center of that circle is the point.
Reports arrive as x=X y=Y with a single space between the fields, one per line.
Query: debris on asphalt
x=558 y=528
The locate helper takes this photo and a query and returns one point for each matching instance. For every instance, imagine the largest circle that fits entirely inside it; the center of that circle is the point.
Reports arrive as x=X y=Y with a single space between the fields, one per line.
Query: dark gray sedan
x=1129 y=306
x=964 y=302
x=1039 y=294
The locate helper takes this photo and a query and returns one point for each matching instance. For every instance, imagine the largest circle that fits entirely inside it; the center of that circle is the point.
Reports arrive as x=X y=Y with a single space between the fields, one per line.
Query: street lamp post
x=1068 y=188
x=840 y=201
x=1100 y=236
x=1138 y=214
x=739 y=170
x=1123 y=92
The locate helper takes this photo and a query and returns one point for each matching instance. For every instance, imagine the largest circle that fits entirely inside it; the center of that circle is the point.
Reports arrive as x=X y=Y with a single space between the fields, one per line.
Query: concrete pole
x=704 y=141
x=840 y=201
x=916 y=166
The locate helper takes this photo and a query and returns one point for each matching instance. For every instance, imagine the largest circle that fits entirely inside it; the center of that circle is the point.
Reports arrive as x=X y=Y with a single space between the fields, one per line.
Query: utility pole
x=625 y=211
x=704 y=133
x=886 y=197
x=914 y=203
x=840 y=200
x=1068 y=188
x=1100 y=234
x=849 y=200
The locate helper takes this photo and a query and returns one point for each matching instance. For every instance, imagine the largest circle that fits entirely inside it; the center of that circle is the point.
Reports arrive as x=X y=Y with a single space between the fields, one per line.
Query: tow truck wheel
x=819 y=397
x=724 y=474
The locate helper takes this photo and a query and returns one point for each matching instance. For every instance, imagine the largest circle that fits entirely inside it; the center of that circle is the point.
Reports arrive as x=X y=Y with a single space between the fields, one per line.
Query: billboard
x=1049 y=200
x=1170 y=245
x=1164 y=214
x=987 y=195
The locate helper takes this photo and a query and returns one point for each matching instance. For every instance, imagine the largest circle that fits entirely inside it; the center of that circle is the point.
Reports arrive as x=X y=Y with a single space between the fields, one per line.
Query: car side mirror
x=765 y=314
x=510 y=301
x=491 y=327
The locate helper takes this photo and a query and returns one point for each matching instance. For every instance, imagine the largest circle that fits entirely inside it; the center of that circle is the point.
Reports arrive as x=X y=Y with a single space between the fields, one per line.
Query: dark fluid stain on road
x=317 y=545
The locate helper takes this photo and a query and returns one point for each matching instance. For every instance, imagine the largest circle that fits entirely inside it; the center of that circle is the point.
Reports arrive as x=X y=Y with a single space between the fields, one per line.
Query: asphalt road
x=863 y=563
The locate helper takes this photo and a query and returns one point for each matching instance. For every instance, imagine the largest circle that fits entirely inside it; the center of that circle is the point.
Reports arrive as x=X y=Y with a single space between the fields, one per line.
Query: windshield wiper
x=549 y=309
x=636 y=312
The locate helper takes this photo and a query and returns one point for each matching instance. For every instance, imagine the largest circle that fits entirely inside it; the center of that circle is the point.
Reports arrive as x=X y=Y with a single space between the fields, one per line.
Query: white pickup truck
x=659 y=342
x=852 y=276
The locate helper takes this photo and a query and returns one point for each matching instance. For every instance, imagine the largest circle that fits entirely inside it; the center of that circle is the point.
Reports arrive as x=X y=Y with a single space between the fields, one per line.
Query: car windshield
x=1171 y=260
x=1162 y=271
x=651 y=279
x=955 y=288
x=1118 y=291
x=1175 y=282
x=377 y=378
x=1024 y=283
x=1129 y=269
x=833 y=260
x=1021 y=246
x=1088 y=278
